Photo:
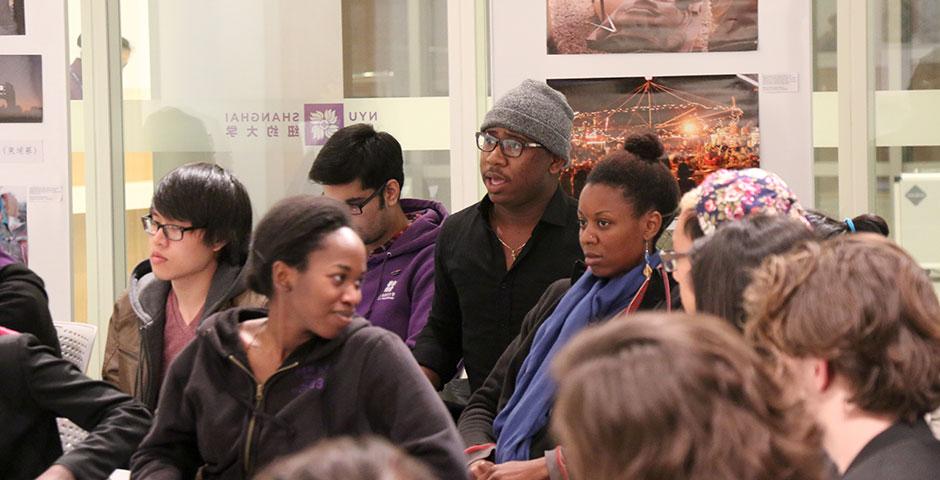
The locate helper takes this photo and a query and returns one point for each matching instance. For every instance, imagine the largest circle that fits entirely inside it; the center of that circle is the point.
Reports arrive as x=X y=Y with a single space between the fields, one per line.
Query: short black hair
x=639 y=170
x=211 y=198
x=723 y=262
x=359 y=152
x=293 y=228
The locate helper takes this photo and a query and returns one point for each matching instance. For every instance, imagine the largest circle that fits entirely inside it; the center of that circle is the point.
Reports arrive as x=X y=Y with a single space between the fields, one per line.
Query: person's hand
x=56 y=472
x=522 y=470
x=480 y=469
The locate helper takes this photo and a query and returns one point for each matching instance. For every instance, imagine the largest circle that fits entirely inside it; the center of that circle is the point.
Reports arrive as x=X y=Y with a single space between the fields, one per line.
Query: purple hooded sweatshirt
x=398 y=287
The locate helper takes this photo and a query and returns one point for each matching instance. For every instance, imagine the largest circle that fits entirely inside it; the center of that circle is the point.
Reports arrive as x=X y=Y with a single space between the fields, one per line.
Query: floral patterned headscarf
x=728 y=195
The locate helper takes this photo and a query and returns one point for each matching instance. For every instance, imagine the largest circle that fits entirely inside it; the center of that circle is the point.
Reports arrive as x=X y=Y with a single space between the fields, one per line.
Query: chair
x=76 y=340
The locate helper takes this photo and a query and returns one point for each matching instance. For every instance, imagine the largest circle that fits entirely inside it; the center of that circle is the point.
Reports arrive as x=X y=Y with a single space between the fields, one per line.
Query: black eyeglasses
x=671 y=259
x=355 y=208
x=171 y=232
x=510 y=147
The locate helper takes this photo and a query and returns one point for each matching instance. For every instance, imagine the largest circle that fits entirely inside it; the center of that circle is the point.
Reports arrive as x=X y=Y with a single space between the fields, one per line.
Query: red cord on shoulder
x=477 y=448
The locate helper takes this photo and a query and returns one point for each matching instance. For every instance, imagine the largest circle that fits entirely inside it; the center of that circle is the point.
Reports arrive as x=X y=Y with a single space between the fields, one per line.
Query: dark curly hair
x=640 y=172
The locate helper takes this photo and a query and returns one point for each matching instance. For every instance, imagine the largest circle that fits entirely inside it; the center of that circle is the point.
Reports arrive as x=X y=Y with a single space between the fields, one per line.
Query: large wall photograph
x=706 y=122
x=646 y=26
x=12 y=18
x=20 y=88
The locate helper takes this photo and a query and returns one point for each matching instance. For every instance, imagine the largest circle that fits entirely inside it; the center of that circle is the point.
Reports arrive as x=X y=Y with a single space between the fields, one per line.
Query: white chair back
x=76 y=340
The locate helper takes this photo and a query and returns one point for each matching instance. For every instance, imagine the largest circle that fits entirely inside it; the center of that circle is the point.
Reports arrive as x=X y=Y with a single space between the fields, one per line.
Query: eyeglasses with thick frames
x=170 y=231
x=671 y=259
x=355 y=208
x=510 y=147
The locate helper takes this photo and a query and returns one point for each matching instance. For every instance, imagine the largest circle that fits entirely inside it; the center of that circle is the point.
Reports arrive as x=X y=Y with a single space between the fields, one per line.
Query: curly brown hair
x=865 y=306
x=677 y=396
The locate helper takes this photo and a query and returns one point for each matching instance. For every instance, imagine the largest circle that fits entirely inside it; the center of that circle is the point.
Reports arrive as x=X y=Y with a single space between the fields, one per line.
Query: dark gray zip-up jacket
x=214 y=416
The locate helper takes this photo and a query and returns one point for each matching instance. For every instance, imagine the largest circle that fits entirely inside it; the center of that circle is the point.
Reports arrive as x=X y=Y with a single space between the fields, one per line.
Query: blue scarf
x=589 y=299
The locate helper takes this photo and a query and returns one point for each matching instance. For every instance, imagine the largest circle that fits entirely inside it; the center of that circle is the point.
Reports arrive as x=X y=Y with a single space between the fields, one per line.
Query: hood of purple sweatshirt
x=398 y=286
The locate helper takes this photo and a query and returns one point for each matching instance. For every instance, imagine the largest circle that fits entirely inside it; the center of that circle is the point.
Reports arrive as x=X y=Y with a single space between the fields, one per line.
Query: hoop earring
x=647 y=270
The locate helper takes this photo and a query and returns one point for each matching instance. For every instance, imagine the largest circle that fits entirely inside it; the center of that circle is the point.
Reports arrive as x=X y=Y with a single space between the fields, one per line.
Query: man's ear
x=392 y=192
x=822 y=374
x=558 y=164
x=217 y=247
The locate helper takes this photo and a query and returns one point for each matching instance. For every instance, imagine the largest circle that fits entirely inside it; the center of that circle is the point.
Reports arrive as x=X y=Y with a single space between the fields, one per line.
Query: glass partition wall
x=256 y=86
x=237 y=83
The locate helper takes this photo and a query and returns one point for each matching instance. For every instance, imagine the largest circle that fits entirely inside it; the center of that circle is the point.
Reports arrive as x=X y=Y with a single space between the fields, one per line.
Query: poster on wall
x=641 y=26
x=20 y=88
x=706 y=122
x=14 y=237
x=12 y=18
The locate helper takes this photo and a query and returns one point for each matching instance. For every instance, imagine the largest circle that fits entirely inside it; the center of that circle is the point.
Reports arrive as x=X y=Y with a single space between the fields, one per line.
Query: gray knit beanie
x=537 y=111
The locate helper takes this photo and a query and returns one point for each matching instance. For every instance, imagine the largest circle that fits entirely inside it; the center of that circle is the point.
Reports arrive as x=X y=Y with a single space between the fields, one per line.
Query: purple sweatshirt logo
x=312 y=377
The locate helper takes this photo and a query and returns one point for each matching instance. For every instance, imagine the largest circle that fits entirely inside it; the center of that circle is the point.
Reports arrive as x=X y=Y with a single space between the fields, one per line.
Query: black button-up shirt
x=479 y=305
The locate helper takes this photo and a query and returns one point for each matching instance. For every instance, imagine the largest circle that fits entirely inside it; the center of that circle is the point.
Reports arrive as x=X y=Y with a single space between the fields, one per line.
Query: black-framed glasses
x=170 y=231
x=355 y=208
x=510 y=147
x=671 y=259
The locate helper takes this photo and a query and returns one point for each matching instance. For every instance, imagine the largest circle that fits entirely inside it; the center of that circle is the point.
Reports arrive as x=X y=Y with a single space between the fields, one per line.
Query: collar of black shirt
x=555 y=213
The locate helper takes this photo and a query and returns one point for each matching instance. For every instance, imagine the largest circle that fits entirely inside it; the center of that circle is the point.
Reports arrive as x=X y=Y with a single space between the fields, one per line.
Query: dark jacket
x=476 y=422
x=398 y=286
x=133 y=354
x=35 y=388
x=902 y=452
x=478 y=304
x=24 y=305
x=212 y=414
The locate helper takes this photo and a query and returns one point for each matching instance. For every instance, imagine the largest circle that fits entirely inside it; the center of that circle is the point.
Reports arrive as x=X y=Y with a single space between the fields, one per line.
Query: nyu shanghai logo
x=389 y=292
x=321 y=120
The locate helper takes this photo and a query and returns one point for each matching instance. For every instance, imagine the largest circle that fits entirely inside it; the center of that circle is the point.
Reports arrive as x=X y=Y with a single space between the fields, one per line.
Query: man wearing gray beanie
x=494 y=259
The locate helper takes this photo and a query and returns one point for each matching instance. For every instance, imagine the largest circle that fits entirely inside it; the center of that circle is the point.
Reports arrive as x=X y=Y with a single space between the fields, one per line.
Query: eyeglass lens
x=508 y=146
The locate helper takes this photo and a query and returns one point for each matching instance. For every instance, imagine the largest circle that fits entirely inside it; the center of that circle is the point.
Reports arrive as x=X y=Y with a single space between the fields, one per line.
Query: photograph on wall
x=647 y=26
x=12 y=19
x=706 y=122
x=20 y=88
x=14 y=238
